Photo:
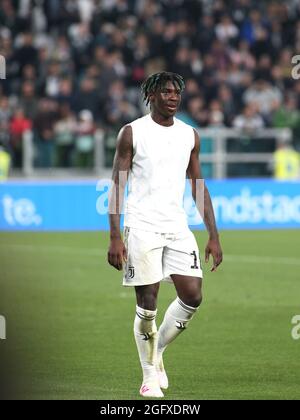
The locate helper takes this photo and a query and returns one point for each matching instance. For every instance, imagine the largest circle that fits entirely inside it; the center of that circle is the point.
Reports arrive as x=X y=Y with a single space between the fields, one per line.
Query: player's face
x=166 y=100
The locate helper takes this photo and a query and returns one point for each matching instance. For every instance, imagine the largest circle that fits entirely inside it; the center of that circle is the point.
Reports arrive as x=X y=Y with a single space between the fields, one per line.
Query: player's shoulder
x=187 y=129
x=183 y=125
x=139 y=121
x=187 y=132
x=136 y=128
x=128 y=128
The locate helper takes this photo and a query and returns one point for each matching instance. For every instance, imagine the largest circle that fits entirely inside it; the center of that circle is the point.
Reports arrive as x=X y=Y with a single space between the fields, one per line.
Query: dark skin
x=164 y=105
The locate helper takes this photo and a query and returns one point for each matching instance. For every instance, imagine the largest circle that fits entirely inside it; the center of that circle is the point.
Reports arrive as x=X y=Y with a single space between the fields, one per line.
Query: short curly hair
x=158 y=80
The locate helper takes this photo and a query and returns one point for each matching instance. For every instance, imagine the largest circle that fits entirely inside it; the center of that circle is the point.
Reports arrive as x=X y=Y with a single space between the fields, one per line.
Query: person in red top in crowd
x=18 y=125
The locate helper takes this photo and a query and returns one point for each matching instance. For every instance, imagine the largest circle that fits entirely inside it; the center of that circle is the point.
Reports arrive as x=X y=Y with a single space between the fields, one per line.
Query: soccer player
x=157 y=152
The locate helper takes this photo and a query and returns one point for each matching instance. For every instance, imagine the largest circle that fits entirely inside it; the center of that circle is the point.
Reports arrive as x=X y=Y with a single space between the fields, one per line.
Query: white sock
x=175 y=321
x=145 y=332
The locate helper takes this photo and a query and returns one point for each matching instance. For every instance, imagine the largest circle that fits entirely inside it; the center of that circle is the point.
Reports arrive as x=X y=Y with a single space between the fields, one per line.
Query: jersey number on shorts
x=195 y=266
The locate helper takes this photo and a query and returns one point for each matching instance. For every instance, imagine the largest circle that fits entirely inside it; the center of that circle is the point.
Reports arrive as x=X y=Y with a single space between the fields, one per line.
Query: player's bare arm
x=122 y=163
x=213 y=246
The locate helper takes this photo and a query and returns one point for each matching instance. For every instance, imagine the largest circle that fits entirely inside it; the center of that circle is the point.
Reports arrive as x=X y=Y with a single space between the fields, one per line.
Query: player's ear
x=151 y=97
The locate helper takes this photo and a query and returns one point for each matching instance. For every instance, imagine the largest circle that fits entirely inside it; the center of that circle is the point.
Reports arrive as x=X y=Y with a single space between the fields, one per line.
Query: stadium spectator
x=64 y=133
x=262 y=71
x=28 y=100
x=87 y=97
x=226 y=30
x=5 y=115
x=4 y=162
x=286 y=162
x=285 y=62
x=26 y=53
x=252 y=26
x=229 y=104
x=52 y=79
x=84 y=145
x=197 y=115
x=182 y=62
x=8 y=16
x=18 y=126
x=265 y=96
x=205 y=33
x=249 y=121
x=216 y=115
x=29 y=73
x=288 y=116
x=5 y=112
x=43 y=125
x=119 y=109
x=242 y=57
x=65 y=91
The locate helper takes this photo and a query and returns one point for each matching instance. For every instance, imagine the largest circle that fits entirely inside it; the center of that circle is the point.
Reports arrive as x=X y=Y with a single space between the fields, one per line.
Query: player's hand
x=213 y=247
x=117 y=254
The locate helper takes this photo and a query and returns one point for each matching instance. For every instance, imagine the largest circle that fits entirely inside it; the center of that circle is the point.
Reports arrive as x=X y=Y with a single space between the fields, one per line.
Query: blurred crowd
x=76 y=66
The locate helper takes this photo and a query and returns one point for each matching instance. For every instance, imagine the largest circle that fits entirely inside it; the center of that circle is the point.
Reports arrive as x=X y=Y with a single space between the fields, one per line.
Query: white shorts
x=153 y=257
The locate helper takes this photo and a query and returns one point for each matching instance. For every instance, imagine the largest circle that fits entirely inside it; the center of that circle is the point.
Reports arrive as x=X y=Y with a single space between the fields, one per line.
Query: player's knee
x=148 y=301
x=194 y=300
x=198 y=300
x=146 y=296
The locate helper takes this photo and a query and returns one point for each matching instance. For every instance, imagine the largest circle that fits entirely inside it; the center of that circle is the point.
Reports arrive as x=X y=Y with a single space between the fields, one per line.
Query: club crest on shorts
x=130 y=272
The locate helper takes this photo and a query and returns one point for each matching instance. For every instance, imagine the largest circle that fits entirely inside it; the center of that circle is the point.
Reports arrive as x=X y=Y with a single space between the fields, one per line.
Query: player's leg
x=146 y=296
x=146 y=337
x=177 y=317
x=144 y=271
x=181 y=310
x=182 y=264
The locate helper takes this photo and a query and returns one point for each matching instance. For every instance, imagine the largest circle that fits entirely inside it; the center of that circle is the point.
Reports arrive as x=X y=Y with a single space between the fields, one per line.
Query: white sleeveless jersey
x=158 y=175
